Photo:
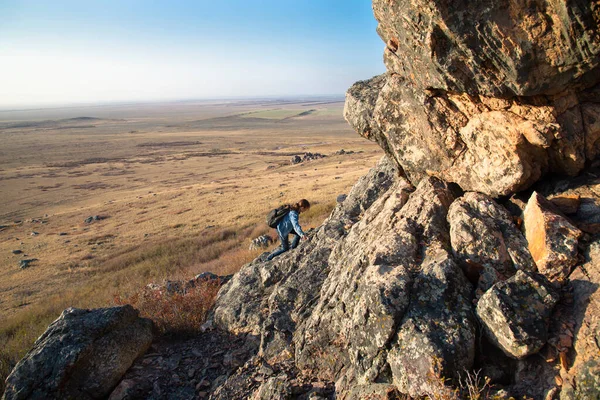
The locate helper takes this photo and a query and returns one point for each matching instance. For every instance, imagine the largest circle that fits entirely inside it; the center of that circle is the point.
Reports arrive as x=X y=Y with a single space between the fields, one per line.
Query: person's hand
x=305 y=237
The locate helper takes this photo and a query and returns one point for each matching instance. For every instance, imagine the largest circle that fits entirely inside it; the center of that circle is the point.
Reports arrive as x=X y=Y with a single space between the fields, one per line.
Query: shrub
x=176 y=313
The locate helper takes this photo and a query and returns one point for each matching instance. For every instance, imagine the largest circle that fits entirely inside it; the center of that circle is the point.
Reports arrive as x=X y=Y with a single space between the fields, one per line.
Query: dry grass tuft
x=174 y=313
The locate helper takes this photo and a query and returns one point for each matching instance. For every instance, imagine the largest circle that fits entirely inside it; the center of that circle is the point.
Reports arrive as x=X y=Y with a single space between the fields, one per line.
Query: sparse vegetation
x=177 y=313
x=174 y=202
x=474 y=386
x=121 y=277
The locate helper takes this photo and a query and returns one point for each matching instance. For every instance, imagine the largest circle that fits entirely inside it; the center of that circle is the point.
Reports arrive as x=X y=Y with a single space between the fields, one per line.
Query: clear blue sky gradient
x=54 y=52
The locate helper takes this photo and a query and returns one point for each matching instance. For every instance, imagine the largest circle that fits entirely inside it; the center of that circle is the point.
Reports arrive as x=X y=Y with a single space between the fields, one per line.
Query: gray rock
x=583 y=378
x=93 y=218
x=17 y=251
x=275 y=388
x=436 y=339
x=493 y=48
x=290 y=284
x=484 y=236
x=26 y=263
x=515 y=313
x=306 y=157
x=82 y=355
x=341 y=198
x=261 y=242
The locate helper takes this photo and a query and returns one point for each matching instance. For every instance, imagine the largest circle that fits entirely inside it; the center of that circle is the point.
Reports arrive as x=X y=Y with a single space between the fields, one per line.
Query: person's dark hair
x=301 y=204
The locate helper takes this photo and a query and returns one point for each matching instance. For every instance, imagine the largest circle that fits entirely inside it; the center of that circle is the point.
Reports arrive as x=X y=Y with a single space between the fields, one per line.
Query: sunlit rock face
x=489 y=95
x=497 y=48
x=427 y=281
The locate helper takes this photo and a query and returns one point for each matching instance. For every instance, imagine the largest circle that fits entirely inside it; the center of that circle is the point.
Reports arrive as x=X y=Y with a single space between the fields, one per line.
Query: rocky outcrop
x=82 y=355
x=412 y=284
x=491 y=96
x=497 y=48
x=382 y=294
x=382 y=305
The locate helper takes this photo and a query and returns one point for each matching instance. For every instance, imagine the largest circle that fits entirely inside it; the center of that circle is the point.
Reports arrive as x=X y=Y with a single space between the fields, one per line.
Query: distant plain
x=178 y=189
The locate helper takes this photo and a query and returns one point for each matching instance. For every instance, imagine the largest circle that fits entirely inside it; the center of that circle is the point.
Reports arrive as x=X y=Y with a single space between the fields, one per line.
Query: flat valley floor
x=92 y=193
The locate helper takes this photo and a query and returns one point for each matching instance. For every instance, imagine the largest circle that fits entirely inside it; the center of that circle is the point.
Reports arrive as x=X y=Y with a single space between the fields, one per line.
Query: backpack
x=276 y=215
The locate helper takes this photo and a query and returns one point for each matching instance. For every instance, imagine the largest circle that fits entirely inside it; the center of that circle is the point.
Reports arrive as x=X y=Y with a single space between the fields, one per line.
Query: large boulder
x=370 y=285
x=489 y=95
x=346 y=305
x=484 y=144
x=436 y=339
x=515 y=313
x=495 y=48
x=82 y=355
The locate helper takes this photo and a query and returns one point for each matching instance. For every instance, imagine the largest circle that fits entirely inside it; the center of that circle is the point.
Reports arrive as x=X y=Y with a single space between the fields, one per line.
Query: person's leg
x=295 y=240
x=281 y=249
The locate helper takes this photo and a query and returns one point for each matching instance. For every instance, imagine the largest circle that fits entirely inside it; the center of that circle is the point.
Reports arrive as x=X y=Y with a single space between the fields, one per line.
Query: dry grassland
x=178 y=189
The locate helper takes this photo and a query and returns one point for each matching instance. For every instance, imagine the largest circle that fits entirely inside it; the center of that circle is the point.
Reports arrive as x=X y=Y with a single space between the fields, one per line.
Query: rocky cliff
x=467 y=263
x=441 y=276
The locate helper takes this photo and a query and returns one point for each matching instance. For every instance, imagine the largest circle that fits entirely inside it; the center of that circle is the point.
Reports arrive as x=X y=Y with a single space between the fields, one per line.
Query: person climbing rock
x=289 y=226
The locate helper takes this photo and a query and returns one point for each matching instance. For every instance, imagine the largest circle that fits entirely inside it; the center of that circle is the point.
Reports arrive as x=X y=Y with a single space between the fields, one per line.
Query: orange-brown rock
x=552 y=239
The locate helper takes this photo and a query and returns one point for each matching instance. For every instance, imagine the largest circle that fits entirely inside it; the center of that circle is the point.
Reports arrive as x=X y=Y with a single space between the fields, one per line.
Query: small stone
x=34 y=233
x=266 y=370
x=17 y=251
x=25 y=263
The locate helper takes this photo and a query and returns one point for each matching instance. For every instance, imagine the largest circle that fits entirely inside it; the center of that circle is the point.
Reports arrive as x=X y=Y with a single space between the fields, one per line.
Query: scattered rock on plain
x=25 y=263
x=261 y=242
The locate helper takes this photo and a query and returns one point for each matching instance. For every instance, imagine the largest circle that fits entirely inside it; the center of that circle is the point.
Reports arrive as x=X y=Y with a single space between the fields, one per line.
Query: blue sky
x=64 y=52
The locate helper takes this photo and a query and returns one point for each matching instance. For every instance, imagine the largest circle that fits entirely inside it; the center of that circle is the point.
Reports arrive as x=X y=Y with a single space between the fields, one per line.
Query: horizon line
x=50 y=106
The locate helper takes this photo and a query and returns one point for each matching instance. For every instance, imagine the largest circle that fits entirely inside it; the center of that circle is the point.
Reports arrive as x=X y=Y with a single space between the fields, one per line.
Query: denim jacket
x=288 y=224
